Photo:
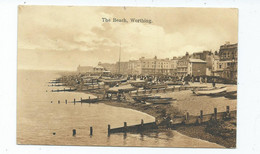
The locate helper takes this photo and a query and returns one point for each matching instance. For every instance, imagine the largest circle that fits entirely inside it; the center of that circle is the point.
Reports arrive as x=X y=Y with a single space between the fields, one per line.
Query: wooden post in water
x=66 y=101
x=215 y=113
x=125 y=126
x=142 y=124
x=108 y=130
x=91 y=131
x=187 y=117
x=73 y=132
x=201 y=115
x=51 y=101
x=227 y=112
x=227 y=109
x=74 y=101
x=58 y=101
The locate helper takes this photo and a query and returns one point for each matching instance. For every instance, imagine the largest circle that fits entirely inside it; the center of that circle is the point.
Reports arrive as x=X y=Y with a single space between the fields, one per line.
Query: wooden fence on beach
x=177 y=121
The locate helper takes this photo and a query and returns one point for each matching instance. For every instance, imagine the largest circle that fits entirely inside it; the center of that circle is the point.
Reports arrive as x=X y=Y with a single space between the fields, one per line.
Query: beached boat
x=138 y=83
x=155 y=86
x=121 y=89
x=210 y=91
x=231 y=95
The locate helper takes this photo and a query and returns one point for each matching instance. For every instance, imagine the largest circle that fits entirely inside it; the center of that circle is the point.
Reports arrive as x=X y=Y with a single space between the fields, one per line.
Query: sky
x=63 y=37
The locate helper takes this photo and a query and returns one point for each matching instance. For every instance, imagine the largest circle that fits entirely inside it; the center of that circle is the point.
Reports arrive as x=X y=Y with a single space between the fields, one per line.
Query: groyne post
x=58 y=101
x=142 y=125
x=227 y=112
x=201 y=115
x=91 y=131
x=187 y=116
x=125 y=127
x=66 y=101
x=73 y=132
x=215 y=113
x=74 y=101
x=51 y=101
x=108 y=130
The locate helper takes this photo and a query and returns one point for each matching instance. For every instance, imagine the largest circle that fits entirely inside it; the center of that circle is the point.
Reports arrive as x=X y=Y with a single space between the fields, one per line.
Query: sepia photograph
x=127 y=76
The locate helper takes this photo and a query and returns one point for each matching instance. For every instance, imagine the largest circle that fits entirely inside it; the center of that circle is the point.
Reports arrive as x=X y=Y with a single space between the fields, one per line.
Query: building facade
x=122 y=67
x=227 y=66
x=134 y=67
x=182 y=65
x=155 y=66
x=197 y=67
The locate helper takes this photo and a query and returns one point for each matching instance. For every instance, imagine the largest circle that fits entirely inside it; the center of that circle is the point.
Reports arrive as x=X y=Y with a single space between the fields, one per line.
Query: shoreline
x=192 y=130
x=202 y=131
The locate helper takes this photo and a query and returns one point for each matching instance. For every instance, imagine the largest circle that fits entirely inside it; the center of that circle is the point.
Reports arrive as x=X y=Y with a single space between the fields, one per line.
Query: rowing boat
x=210 y=91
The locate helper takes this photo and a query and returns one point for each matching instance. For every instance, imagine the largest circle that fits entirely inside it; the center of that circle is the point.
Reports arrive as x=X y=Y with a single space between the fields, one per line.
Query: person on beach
x=213 y=83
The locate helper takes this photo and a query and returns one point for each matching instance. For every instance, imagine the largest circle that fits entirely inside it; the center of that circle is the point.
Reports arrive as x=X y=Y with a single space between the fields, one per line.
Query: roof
x=196 y=61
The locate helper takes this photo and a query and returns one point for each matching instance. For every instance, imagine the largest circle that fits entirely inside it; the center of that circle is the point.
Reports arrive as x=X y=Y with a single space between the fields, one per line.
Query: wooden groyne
x=176 y=121
x=56 y=85
x=87 y=100
x=134 y=128
x=64 y=90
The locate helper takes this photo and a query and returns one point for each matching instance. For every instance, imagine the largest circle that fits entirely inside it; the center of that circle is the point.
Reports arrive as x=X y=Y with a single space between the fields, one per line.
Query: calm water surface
x=38 y=119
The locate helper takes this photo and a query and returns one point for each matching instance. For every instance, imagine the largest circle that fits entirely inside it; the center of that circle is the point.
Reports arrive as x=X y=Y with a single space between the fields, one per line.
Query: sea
x=41 y=120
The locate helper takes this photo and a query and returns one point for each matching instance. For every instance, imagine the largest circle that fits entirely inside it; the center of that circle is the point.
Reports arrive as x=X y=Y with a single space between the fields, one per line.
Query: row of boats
x=207 y=91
